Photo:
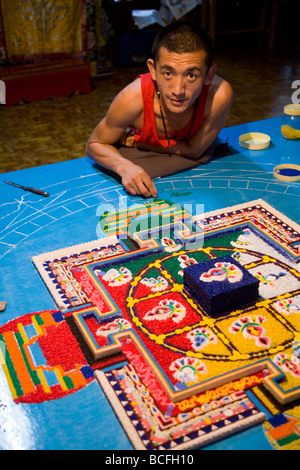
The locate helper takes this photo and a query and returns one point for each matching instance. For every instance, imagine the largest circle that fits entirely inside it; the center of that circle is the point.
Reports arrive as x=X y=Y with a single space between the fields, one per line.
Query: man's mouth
x=177 y=102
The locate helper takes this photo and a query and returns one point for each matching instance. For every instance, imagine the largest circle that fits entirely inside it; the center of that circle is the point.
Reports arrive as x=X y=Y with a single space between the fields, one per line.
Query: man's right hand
x=136 y=181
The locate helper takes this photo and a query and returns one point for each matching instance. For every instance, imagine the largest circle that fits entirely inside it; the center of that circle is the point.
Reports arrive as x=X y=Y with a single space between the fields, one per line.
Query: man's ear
x=151 y=67
x=210 y=74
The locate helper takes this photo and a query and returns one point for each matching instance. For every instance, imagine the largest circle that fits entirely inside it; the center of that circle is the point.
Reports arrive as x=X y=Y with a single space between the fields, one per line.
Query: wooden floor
x=57 y=129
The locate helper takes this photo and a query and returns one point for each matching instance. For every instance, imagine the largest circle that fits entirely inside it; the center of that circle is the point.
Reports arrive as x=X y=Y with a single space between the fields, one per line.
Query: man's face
x=179 y=78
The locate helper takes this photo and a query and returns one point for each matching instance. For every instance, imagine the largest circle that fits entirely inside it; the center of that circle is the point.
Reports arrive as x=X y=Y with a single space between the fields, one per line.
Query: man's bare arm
x=100 y=147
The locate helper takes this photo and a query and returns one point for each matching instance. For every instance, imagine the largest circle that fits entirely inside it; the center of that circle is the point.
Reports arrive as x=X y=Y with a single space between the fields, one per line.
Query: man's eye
x=167 y=74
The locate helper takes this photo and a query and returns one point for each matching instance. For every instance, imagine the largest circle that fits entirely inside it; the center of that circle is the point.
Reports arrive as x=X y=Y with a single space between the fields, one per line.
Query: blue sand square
x=278 y=420
x=87 y=372
x=57 y=317
x=220 y=285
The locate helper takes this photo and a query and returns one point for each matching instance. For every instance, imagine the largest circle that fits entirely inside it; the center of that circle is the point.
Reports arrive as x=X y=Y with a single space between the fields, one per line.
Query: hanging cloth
x=42 y=26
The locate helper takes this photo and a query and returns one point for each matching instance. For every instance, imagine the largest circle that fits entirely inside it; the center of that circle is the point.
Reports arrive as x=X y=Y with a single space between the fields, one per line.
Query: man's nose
x=178 y=86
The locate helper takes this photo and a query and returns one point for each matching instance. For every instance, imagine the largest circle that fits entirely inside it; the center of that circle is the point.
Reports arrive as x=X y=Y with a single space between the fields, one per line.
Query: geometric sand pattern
x=176 y=377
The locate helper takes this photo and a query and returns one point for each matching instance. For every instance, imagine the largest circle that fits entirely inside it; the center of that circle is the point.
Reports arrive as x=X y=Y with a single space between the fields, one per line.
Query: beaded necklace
x=163 y=120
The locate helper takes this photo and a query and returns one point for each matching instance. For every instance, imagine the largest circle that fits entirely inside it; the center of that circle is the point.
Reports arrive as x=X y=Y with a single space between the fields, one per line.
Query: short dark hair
x=182 y=37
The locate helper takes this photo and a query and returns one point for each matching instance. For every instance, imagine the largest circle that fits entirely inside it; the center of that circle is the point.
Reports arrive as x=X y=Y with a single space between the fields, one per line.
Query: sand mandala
x=190 y=324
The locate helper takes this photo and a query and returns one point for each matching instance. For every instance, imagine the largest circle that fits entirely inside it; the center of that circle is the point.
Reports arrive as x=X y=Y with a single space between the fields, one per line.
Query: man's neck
x=174 y=121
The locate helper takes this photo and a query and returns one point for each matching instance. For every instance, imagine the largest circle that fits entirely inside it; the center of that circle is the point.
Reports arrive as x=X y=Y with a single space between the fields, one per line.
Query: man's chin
x=177 y=106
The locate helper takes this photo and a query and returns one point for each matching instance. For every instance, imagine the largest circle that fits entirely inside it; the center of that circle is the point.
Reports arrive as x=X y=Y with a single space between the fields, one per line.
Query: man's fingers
x=141 y=190
x=152 y=189
x=140 y=183
x=147 y=188
x=131 y=190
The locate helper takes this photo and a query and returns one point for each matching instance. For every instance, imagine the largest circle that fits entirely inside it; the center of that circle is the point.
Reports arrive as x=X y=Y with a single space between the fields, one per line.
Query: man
x=175 y=112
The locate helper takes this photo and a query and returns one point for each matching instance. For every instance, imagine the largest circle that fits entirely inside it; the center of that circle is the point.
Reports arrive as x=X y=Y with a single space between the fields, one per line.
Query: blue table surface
x=31 y=225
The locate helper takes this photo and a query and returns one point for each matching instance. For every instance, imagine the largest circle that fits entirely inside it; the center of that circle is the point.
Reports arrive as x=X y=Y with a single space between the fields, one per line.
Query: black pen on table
x=28 y=188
